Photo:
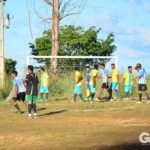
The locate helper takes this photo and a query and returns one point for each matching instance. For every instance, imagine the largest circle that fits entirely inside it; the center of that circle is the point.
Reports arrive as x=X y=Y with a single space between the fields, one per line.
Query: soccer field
x=63 y=125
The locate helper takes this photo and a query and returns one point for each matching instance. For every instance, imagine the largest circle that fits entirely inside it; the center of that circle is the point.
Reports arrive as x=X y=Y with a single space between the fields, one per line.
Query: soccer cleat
x=97 y=99
x=91 y=101
x=148 y=102
x=116 y=99
x=73 y=101
x=139 y=102
x=86 y=99
x=40 y=100
x=35 y=116
x=30 y=116
x=111 y=100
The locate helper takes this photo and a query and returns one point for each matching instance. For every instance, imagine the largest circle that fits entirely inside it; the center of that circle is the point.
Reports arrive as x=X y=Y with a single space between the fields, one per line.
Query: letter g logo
x=144 y=138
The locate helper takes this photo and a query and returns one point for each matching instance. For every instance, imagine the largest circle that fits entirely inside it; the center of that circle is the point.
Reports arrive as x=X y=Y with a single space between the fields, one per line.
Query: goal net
x=61 y=83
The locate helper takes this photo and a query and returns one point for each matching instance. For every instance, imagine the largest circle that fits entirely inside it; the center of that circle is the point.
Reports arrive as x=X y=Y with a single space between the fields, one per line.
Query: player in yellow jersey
x=44 y=84
x=77 y=88
x=94 y=74
x=128 y=79
x=114 y=81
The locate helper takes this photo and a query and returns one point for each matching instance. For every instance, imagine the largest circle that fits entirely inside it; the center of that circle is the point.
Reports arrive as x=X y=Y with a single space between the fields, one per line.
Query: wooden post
x=2 y=61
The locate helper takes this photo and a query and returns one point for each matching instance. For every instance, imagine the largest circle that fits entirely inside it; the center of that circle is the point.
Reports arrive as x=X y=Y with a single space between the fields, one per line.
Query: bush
x=7 y=88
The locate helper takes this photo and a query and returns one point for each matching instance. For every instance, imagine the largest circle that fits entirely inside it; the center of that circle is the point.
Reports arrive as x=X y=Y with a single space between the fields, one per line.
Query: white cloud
x=136 y=36
x=135 y=1
x=147 y=8
x=131 y=53
x=145 y=35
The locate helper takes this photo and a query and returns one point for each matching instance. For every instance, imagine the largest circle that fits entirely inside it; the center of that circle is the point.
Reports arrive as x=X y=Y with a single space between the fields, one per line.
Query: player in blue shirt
x=88 y=76
x=142 y=84
x=19 y=94
x=105 y=85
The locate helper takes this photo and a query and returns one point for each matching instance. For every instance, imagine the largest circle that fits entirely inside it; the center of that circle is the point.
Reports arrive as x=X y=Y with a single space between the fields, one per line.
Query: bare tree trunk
x=55 y=35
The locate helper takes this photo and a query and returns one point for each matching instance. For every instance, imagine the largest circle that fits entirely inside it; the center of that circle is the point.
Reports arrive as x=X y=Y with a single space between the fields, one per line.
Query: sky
x=127 y=19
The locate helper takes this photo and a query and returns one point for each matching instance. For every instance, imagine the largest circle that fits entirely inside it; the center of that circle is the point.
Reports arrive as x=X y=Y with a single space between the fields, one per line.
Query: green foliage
x=5 y=91
x=75 y=41
x=10 y=65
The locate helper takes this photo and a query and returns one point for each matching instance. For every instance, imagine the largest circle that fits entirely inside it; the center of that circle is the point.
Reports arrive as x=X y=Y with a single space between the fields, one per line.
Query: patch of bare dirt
x=1 y=140
x=111 y=121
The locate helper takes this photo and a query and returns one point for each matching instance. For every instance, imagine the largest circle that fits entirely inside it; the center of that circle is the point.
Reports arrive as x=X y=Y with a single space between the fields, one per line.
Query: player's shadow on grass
x=53 y=113
x=104 y=99
x=59 y=99
x=41 y=109
x=125 y=146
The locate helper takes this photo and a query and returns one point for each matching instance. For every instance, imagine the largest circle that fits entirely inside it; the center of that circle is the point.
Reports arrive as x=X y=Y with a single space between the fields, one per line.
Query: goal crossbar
x=72 y=57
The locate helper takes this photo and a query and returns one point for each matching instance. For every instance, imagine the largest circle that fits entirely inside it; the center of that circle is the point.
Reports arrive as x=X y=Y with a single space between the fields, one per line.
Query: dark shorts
x=105 y=86
x=20 y=97
x=142 y=87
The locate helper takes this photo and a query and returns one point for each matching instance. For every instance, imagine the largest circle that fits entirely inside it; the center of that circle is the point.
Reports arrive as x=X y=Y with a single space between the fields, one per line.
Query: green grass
x=75 y=126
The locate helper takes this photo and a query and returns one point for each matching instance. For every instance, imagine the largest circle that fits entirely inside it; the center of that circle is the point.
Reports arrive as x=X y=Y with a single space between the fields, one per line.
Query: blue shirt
x=88 y=75
x=17 y=81
x=142 y=73
x=104 y=74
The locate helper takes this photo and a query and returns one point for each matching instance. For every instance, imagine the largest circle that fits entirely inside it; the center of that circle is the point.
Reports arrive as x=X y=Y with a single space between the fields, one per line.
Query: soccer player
x=114 y=81
x=31 y=91
x=88 y=75
x=93 y=77
x=128 y=78
x=142 y=85
x=77 y=88
x=105 y=85
x=20 y=89
x=44 y=84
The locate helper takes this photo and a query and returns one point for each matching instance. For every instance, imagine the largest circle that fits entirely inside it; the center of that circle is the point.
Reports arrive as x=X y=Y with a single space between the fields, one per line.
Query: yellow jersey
x=44 y=79
x=114 y=75
x=78 y=78
x=129 y=78
x=94 y=74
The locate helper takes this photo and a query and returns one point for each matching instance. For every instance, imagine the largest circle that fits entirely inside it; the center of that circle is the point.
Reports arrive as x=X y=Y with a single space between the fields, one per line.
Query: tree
x=10 y=65
x=75 y=41
x=60 y=10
